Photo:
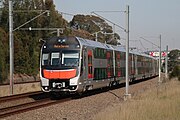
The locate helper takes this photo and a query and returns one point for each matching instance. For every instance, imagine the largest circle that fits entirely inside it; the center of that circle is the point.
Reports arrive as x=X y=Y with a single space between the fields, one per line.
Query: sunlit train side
x=73 y=64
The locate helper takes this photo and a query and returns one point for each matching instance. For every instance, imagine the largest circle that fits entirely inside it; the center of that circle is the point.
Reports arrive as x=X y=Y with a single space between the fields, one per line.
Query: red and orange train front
x=60 y=64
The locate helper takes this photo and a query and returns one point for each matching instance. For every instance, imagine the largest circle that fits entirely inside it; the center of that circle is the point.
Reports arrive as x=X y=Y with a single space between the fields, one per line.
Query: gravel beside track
x=84 y=108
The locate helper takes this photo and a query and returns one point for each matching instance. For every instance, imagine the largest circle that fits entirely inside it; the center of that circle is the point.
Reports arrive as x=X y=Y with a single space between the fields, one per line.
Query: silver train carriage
x=73 y=64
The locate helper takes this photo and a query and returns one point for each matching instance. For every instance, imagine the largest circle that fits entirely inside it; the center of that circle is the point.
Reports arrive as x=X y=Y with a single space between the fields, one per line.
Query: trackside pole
x=159 y=59
x=166 y=62
x=11 y=47
x=127 y=95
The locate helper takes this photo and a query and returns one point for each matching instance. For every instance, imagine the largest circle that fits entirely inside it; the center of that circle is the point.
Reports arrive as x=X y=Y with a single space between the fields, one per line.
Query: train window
x=70 y=58
x=99 y=53
x=117 y=55
x=122 y=56
x=45 y=58
x=90 y=59
x=90 y=64
x=55 y=59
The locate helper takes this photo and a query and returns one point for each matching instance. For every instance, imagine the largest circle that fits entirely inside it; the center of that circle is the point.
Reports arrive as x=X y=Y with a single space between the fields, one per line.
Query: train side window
x=45 y=58
x=90 y=64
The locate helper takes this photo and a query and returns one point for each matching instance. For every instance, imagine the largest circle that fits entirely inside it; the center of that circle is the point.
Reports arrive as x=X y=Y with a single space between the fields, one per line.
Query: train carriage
x=73 y=64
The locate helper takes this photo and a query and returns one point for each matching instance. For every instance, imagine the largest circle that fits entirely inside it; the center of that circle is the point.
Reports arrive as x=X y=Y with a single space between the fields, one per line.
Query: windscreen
x=66 y=58
x=70 y=58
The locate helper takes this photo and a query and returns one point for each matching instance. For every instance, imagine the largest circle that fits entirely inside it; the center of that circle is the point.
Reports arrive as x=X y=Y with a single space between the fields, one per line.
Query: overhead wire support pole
x=166 y=62
x=113 y=31
x=26 y=11
x=126 y=30
x=108 y=11
x=159 y=59
x=58 y=30
x=50 y=29
x=31 y=20
x=66 y=13
x=127 y=52
x=11 y=42
x=11 y=47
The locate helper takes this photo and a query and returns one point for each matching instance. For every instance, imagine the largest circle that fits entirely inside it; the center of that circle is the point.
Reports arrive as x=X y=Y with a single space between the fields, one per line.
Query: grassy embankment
x=162 y=103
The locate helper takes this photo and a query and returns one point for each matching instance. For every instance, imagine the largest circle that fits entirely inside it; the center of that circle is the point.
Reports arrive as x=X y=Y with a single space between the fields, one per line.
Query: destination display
x=61 y=46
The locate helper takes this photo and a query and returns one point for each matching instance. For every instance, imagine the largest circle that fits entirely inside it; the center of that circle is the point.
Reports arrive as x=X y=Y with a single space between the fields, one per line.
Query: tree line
x=26 y=42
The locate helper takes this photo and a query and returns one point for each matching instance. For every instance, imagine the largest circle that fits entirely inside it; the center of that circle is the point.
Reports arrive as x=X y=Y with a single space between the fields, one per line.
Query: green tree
x=175 y=72
x=93 y=24
x=3 y=54
x=174 y=63
x=173 y=59
x=26 y=43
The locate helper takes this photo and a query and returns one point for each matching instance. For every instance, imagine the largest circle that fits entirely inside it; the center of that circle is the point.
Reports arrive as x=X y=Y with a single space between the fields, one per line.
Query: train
x=72 y=64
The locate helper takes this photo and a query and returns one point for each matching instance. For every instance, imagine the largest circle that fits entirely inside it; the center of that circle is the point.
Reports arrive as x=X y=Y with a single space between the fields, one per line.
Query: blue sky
x=148 y=18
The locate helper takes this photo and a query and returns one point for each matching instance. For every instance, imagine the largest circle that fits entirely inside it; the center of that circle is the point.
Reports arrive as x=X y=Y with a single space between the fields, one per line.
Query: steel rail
x=18 y=96
x=4 y=112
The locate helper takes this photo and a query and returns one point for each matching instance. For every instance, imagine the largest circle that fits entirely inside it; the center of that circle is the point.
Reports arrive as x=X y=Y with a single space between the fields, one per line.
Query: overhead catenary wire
x=138 y=41
x=149 y=41
x=70 y=14
x=142 y=45
x=109 y=11
x=109 y=21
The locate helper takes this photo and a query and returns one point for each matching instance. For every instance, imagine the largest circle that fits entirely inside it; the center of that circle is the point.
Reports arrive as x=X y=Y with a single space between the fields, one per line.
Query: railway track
x=41 y=100
x=20 y=83
x=12 y=104
x=12 y=110
x=19 y=96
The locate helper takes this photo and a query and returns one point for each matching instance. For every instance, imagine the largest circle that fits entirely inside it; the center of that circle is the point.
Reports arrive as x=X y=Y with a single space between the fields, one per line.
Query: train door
x=83 y=77
x=88 y=71
x=131 y=67
x=87 y=64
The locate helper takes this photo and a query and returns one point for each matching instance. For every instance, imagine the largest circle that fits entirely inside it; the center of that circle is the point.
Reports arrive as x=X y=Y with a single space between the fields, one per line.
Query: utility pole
x=11 y=42
x=96 y=36
x=58 y=34
x=127 y=52
x=166 y=62
x=11 y=46
x=159 y=59
x=113 y=31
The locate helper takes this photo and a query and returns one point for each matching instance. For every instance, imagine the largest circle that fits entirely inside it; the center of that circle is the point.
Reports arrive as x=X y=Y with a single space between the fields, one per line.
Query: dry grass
x=155 y=104
x=19 y=88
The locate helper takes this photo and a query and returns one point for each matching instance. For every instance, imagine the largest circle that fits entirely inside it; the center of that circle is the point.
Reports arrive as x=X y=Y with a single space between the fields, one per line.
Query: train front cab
x=60 y=64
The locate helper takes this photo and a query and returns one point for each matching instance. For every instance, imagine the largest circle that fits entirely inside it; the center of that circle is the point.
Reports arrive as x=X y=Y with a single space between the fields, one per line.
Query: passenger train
x=75 y=65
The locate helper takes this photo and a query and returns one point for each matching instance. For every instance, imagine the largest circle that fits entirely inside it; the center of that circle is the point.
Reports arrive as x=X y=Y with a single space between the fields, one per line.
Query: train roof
x=94 y=43
x=107 y=46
